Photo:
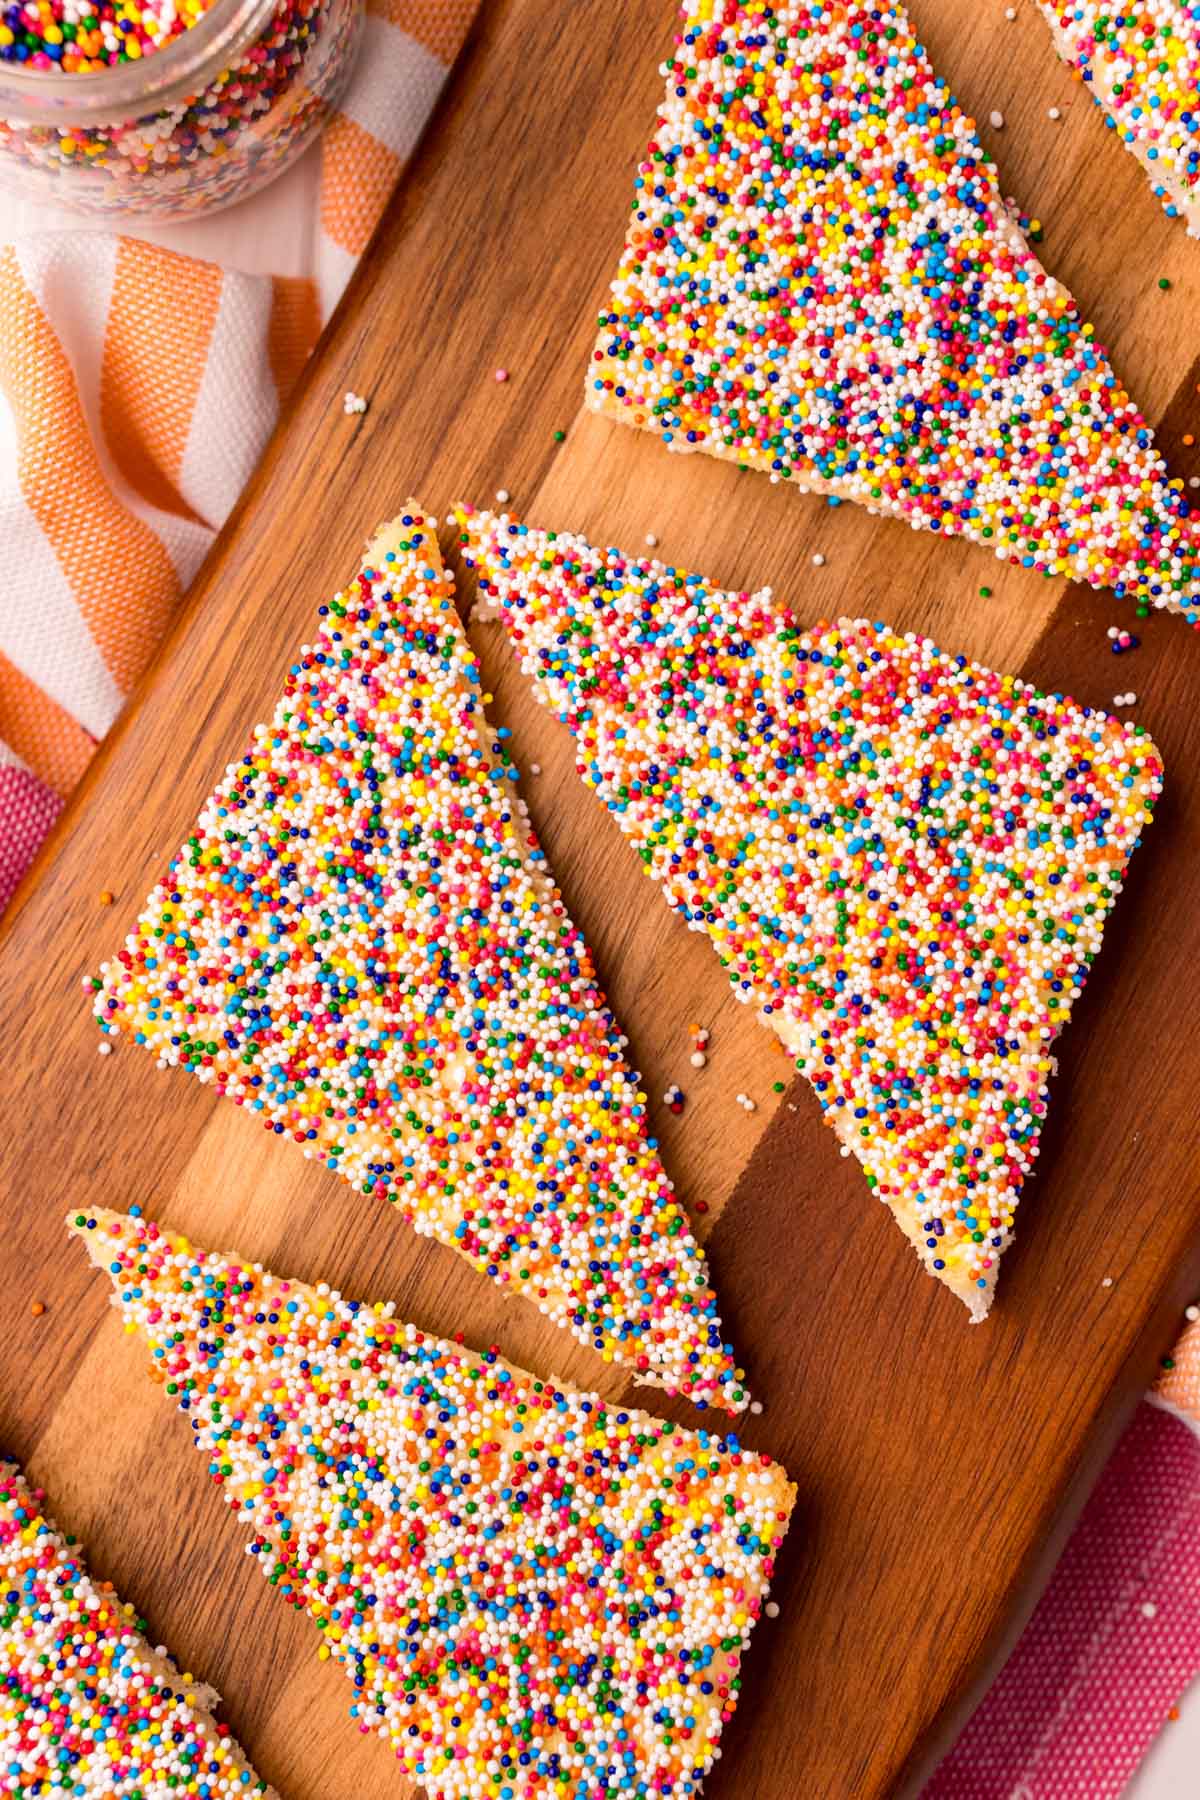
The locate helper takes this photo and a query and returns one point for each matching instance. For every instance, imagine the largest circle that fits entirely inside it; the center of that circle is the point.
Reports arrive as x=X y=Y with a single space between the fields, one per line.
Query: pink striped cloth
x=137 y=391
x=1115 y=1640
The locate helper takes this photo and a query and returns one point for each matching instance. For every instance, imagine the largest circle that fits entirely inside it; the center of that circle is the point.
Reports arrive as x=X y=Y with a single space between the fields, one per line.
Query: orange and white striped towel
x=138 y=388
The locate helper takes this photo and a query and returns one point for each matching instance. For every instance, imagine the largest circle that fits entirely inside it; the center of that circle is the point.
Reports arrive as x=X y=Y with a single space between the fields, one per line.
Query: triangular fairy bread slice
x=903 y=859
x=533 y=1592
x=87 y=1706
x=821 y=280
x=361 y=943
x=1141 y=65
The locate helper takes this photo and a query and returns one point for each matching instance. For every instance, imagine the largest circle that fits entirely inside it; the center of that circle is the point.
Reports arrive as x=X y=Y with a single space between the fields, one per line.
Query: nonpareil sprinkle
x=82 y=37
x=904 y=860
x=361 y=943
x=512 y=1574
x=90 y=1708
x=821 y=280
x=1141 y=66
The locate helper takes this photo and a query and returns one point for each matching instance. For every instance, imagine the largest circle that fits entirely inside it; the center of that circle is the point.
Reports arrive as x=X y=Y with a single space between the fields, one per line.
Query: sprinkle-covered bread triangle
x=361 y=943
x=535 y=1593
x=821 y=280
x=1141 y=65
x=904 y=860
x=86 y=1705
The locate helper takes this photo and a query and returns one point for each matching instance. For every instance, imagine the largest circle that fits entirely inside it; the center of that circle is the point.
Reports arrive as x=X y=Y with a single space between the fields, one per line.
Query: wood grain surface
x=938 y=1463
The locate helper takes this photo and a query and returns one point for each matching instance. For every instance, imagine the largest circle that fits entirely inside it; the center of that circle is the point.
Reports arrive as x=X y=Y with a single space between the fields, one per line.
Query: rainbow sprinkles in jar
x=77 y=38
x=166 y=108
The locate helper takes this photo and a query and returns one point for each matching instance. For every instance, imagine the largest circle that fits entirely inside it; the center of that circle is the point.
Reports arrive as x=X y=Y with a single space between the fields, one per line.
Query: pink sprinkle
x=501 y=374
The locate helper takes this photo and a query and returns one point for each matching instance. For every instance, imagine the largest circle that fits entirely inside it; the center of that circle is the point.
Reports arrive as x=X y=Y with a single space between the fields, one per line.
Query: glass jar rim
x=160 y=79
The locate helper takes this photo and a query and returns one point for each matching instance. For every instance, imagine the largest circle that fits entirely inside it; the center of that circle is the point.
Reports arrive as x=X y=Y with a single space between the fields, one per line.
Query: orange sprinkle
x=106 y=898
x=38 y=1308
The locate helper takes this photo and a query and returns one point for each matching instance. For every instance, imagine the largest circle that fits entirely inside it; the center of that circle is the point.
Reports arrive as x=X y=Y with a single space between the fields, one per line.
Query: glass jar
x=207 y=119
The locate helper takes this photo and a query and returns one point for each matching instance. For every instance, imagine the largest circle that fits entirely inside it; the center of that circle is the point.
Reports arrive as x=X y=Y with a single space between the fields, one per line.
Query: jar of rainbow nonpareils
x=160 y=109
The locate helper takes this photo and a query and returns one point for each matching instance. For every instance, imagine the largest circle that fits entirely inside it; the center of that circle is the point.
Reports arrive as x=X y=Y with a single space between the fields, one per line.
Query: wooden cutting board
x=938 y=1464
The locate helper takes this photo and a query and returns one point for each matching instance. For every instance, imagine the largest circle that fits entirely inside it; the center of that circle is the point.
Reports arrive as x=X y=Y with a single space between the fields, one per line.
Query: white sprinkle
x=535 y=768
x=698 y=1059
x=1192 y=1314
x=1114 y=631
x=996 y=121
x=353 y=403
x=771 y=1609
x=502 y=494
x=1194 y=481
x=652 y=540
x=1010 y=13
x=104 y=1048
x=1107 y=1282
x=756 y=1406
x=1054 y=113
x=818 y=561
x=1149 y=1610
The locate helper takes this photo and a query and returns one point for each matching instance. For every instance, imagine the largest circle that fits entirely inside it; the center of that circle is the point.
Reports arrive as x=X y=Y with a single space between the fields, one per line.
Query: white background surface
x=273 y=235
x=1172 y=1769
